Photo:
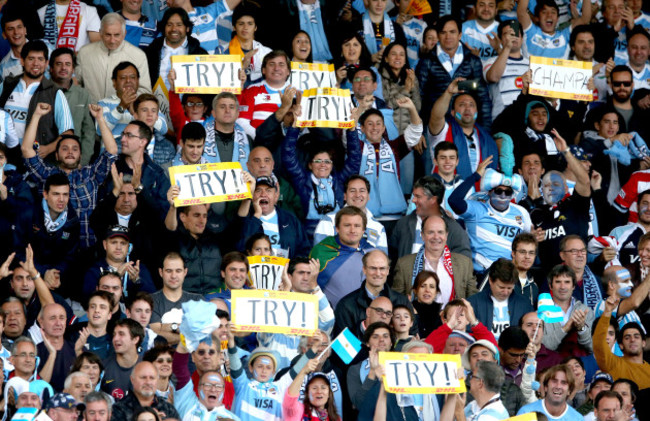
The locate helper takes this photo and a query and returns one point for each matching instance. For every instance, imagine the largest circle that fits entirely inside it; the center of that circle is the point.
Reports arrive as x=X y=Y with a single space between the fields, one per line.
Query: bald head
x=143 y=380
x=380 y=310
x=52 y=319
x=617 y=281
x=260 y=162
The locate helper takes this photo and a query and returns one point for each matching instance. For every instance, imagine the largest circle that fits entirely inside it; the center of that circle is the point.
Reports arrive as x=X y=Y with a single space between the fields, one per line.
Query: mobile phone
x=515 y=27
x=468 y=85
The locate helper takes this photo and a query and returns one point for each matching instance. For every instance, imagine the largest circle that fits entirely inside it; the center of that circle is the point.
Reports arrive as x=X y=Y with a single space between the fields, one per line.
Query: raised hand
x=42 y=108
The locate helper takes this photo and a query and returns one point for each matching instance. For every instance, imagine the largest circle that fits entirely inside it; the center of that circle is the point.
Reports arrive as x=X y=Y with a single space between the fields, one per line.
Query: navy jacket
x=292 y=235
x=154 y=55
x=434 y=80
x=15 y=212
x=518 y=305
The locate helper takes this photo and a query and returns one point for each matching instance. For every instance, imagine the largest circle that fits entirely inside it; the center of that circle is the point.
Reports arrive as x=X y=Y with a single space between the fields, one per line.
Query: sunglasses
x=621 y=83
x=503 y=190
x=202 y=352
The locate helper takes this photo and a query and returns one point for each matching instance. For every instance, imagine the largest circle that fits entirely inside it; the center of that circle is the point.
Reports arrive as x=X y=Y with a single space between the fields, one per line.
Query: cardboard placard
x=421 y=373
x=306 y=76
x=207 y=74
x=265 y=272
x=290 y=313
x=326 y=107
x=559 y=78
x=208 y=183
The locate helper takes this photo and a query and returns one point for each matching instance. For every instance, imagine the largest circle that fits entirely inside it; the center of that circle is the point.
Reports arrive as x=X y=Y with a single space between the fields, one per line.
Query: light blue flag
x=346 y=346
x=199 y=321
x=547 y=310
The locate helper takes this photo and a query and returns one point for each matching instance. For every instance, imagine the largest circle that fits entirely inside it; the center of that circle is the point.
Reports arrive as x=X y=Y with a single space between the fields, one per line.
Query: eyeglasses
x=382 y=312
x=503 y=190
x=212 y=386
x=471 y=376
x=518 y=356
x=164 y=360
x=322 y=161
x=576 y=251
x=201 y=352
x=362 y=79
x=194 y=104
x=627 y=84
x=526 y=253
x=26 y=355
x=131 y=135
x=377 y=269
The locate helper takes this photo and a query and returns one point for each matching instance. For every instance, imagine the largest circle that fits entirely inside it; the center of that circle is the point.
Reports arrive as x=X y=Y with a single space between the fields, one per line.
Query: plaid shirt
x=84 y=183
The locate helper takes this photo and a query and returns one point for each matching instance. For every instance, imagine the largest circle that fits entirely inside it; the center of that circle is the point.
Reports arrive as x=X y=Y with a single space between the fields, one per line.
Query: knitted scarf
x=418 y=267
x=386 y=195
x=69 y=33
x=592 y=294
x=322 y=196
x=369 y=33
x=448 y=64
x=487 y=145
x=535 y=136
x=311 y=21
x=50 y=225
x=239 y=151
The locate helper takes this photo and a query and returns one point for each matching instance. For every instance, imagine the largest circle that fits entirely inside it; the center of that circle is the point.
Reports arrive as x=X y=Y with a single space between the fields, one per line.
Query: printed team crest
x=556 y=42
x=518 y=219
x=65 y=235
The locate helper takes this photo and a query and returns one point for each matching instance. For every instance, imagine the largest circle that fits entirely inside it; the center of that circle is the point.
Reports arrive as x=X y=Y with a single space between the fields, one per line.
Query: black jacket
x=154 y=51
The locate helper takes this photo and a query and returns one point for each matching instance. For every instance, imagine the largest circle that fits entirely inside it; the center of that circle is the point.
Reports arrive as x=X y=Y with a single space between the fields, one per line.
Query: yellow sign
x=559 y=78
x=531 y=416
x=265 y=272
x=207 y=74
x=160 y=91
x=419 y=8
x=312 y=75
x=326 y=107
x=290 y=313
x=421 y=373
x=208 y=183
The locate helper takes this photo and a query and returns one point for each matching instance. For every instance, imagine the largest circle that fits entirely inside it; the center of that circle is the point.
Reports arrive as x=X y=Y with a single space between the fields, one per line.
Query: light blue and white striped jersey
x=212 y=25
x=491 y=232
x=191 y=409
x=642 y=78
x=154 y=9
x=620 y=47
x=630 y=317
x=259 y=401
x=643 y=20
x=18 y=104
x=565 y=12
x=10 y=66
x=542 y=44
x=8 y=134
x=475 y=36
x=142 y=32
x=508 y=88
x=413 y=30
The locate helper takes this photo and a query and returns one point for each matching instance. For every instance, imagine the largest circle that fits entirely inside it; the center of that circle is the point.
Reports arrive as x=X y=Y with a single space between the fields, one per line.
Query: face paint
x=625 y=284
x=459 y=116
x=265 y=360
x=553 y=188
x=499 y=202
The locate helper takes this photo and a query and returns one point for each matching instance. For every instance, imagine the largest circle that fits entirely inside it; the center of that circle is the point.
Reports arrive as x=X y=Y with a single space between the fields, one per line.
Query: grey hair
x=20 y=340
x=71 y=376
x=417 y=344
x=224 y=95
x=491 y=374
x=111 y=18
x=97 y=397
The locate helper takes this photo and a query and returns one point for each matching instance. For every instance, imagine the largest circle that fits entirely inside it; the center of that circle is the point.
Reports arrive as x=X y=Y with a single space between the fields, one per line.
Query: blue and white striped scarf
x=372 y=42
x=311 y=22
x=450 y=65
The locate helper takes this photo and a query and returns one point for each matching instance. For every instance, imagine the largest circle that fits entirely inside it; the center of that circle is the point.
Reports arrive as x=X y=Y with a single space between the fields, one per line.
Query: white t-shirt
x=500 y=317
x=89 y=21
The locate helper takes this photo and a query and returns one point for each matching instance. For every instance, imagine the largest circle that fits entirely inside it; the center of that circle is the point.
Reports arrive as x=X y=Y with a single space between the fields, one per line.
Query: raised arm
x=32 y=128
x=584 y=19
x=522 y=14
x=171 y=221
x=441 y=106
x=107 y=136
x=583 y=183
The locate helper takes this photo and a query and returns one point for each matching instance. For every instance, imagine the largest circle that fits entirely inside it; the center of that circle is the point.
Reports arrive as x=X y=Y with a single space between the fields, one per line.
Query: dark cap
x=266 y=180
x=117 y=231
x=65 y=401
x=579 y=153
x=601 y=377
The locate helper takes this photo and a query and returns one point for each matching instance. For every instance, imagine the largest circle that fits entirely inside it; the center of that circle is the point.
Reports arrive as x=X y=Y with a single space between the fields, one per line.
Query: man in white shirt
x=69 y=23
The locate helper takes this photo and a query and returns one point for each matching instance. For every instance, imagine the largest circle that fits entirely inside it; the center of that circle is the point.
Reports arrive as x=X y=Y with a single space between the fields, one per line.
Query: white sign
x=326 y=107
x=558 y=78
x=207 y=74
x=208 y=183
x=265 y=272
x=311 y=75
x=421 y=373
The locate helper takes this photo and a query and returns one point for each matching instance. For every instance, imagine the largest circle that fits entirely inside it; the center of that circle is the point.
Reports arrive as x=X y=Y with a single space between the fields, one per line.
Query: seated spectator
x=212 y=23
x=453 y=270
x=176 y=40
x=15 y=321
x=283 y=228
x=78 y=385
x=512 y=352
x=573 y=253
x=69 y=28
x=340 y=255
x=98 y=406
x=142 y=394
x=118 y=259
x=56 y=354
x=89 y=363
x=97 y=60
x=571 y=336
x=601 y=382
x=427 y=310
x=63 y=406
x=127 y=337
x=141 y=28
x=161 y=358
x=456 y=316
x=543 y=38
x=357 y=193
x=139 y=308
x=445 y=161
x=524 y=252
x=15 y=31
x=628 y=390
x=146 y=109
x=93 y=335
x=402 y=322
x=554 y=405
x=355 y=55
x=364 y=85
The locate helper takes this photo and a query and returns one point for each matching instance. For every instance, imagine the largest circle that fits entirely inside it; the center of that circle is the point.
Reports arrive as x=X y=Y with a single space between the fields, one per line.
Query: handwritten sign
x=208 y=183
x=421 y=373
x=207 y=74
x=326 y=107
x=266 y=271
x=291 y=313
x=558 y=78
x=531 y=416
x=312 y=75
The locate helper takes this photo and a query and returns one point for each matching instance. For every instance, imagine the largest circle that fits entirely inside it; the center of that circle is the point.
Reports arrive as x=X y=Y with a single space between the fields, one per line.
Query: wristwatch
x=120 y=109
x=174 y=327
x=139 y=188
